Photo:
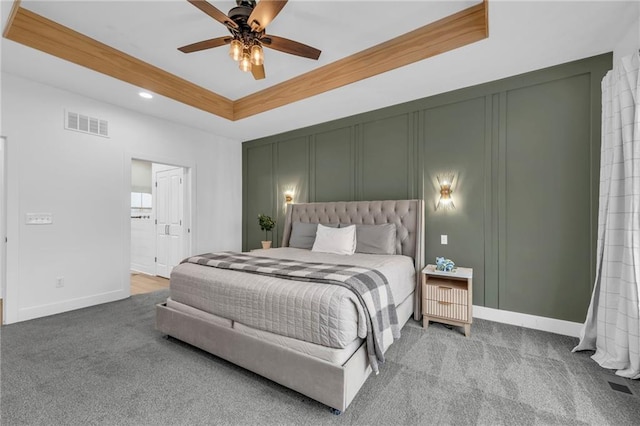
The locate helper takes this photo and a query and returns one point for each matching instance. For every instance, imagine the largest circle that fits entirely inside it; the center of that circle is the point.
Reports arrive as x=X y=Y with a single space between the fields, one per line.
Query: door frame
x=188 y=205
x=3 y=227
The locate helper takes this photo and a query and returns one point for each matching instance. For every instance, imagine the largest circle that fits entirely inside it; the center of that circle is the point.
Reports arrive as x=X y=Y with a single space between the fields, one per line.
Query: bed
x=305 y=335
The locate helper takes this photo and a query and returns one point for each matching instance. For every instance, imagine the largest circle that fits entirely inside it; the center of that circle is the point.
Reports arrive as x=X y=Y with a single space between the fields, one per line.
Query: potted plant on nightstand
x=266 y=224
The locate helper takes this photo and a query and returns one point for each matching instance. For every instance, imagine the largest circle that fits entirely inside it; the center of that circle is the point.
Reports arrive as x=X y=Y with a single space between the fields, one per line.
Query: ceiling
x=523 y=35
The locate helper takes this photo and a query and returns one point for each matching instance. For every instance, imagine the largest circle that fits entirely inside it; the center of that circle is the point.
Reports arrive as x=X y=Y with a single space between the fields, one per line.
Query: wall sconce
x=288 y=197
x=445 y=181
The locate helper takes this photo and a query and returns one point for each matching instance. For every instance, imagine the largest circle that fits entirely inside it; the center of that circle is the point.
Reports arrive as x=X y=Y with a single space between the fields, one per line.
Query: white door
x=169 y=212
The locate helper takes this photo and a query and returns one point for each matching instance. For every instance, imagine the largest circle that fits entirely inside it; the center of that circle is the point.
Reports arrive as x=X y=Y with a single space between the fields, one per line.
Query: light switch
x=39 y=218
x=444 y=239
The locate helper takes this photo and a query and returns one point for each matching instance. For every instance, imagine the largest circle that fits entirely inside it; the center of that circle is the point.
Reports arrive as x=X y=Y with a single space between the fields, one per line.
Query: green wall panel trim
x=491 y=230
x=416 y=182
x=332 y=160
x=458 y=147
x=596 y=75
x=258 y=192
x=357 y=164
x=355 y=134
x=547 y=208
x=385 y=167
x=500 y=190
x=481 y=133
x=292 y=165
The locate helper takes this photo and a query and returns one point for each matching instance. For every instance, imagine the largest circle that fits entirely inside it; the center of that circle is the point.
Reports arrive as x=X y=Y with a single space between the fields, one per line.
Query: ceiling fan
x=247 y=22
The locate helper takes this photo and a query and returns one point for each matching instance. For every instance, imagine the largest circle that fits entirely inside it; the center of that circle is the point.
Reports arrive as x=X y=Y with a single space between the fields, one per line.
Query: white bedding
x=322 y=314
x=399 y=270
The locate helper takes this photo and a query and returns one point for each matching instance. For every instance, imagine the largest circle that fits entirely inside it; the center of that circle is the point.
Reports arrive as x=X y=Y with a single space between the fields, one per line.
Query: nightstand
x=447 y=297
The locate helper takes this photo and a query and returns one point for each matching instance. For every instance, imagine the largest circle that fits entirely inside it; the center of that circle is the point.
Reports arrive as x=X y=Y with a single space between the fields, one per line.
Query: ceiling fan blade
x=289 y=46
x=213 y=12
x=257 y=71
x=264 y=13
x=206 y=44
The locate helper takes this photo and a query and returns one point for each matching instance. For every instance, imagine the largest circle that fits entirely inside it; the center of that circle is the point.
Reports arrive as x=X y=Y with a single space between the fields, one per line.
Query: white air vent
x=86 y=124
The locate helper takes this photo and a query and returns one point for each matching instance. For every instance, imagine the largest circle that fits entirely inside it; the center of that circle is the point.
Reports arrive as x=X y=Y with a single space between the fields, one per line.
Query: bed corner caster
x=335 y=411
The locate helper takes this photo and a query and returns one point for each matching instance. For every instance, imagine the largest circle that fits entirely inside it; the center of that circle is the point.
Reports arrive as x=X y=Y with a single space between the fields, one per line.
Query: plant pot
x=266 y=244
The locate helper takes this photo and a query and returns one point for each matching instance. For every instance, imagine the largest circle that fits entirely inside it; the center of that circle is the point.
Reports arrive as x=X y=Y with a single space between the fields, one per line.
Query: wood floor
x=141 y=283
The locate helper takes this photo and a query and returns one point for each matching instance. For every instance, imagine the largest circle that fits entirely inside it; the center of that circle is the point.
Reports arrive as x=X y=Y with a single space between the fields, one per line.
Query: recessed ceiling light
x=145 y=95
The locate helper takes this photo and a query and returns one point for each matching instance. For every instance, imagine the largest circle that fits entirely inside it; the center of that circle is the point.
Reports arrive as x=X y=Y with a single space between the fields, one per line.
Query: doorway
x=159 y=216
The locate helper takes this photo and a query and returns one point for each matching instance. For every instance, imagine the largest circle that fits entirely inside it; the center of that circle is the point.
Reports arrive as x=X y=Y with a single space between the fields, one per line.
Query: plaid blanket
x=369 y=285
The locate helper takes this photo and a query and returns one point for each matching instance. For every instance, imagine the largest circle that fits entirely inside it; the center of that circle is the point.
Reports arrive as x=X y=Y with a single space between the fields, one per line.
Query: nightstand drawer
x=447 y=294
x=442 y=309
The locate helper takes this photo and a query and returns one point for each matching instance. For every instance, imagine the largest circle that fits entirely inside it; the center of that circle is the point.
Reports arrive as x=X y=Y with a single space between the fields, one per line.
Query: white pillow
x=335 y=240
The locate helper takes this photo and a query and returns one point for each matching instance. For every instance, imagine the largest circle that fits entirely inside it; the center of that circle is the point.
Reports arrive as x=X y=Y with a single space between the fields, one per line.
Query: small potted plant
x=266 y=224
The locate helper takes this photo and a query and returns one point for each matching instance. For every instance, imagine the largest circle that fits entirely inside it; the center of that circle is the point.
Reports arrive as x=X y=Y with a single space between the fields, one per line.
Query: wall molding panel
x=525 y=151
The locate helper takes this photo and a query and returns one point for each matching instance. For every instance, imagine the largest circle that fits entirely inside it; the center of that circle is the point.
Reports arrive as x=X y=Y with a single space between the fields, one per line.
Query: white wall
x=630 y=42
x=85 y=181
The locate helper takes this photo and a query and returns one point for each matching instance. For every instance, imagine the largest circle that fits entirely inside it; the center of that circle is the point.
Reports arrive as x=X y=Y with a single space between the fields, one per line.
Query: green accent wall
x=525 y=151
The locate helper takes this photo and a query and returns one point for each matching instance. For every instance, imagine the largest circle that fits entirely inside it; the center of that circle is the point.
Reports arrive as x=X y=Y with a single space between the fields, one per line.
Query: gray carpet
x=107 y=365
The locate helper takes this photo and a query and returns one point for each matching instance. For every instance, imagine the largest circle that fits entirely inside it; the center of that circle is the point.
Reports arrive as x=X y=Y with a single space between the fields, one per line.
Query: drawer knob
x=440 y=302
x=444 y=288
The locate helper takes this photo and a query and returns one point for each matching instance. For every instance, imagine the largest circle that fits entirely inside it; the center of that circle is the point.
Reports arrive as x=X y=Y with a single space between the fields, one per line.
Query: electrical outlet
x=39 y=218
x=59 y=282
x=444 y=240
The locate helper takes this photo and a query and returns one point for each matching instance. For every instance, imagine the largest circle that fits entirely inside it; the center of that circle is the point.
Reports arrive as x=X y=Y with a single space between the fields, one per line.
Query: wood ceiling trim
x=457 y=30
x=40 y=33
x=12 y=14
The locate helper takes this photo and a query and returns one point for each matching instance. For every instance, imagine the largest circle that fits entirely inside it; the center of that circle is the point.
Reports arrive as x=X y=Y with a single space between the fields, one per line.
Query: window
x=141 y=200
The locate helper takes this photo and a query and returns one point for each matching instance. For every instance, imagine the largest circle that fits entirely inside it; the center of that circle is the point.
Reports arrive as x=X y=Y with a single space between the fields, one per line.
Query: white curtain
x=612 y=327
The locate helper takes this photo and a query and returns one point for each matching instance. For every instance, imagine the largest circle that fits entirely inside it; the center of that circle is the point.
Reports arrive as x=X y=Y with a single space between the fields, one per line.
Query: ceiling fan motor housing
x=240 y=15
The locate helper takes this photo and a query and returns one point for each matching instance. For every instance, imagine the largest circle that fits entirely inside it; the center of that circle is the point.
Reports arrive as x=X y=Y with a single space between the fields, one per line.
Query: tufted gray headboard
x=408 y=215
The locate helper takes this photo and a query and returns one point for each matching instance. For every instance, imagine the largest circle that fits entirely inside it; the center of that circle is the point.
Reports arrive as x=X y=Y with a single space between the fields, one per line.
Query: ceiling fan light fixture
x=245 y=62
x=235 y=50
x=247 y=24
x=257 y=55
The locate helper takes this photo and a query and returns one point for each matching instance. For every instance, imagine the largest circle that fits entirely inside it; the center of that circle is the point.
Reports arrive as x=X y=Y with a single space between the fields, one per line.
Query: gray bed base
x=330 y=384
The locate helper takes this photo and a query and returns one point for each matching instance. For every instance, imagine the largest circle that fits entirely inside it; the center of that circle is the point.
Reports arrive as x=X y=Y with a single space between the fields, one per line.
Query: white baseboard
x=137 y=269
x=33 y=312
x=143 y=269
x=551 y=325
